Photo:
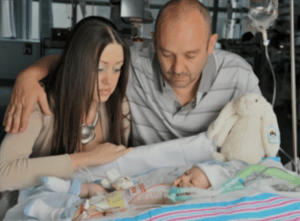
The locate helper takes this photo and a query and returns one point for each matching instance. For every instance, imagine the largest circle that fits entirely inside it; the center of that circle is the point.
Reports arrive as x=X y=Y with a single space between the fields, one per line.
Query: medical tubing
x=266 y=43
x=272 y=171
x=91 y=177
x=188 y=193
x=273 y=74
x=288 y=156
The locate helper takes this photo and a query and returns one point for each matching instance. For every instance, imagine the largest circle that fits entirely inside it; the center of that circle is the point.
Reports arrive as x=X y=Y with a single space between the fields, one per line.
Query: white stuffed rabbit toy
x=246 y=129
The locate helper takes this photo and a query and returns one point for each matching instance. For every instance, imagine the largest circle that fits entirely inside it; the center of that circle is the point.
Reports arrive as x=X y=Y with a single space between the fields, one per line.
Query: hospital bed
x=164 y=162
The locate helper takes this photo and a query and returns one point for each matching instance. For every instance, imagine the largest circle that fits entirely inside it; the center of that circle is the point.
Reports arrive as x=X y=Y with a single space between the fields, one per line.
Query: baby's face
x=193 y=177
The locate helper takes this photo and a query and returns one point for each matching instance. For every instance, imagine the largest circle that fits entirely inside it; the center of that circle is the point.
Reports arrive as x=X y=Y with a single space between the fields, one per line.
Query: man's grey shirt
x=157 y=114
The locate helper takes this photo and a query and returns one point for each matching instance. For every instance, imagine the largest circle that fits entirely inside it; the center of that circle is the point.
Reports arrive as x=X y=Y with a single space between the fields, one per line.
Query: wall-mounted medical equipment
x=136 y=11
x=139 y=15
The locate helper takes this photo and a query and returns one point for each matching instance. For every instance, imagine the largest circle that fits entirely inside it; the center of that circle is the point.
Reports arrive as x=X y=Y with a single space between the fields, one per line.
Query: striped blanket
x=263 y=207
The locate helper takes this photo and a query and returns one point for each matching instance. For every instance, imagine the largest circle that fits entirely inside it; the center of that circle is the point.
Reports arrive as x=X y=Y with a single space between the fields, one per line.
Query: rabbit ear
x=227 y=112
x=270 y=131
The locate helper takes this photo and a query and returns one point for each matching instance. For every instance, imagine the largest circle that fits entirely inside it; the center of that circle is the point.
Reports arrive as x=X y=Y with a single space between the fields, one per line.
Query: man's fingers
x=43 y=101
x=8 y=118
x=4 y=123
x=27 y=108
x=7 y=123
x=16 y=119
x=7 y=111
x=25 y=118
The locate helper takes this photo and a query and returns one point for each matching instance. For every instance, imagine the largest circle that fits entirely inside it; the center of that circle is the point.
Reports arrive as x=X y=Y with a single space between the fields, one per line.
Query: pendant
x=88 y=131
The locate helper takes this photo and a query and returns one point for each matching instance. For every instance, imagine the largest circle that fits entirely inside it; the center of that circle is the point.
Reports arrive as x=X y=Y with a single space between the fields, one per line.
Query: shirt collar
x=208 y=74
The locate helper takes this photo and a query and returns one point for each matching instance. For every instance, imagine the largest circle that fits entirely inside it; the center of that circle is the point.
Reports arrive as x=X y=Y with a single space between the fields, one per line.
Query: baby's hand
x=91 y=189
x=193 y=177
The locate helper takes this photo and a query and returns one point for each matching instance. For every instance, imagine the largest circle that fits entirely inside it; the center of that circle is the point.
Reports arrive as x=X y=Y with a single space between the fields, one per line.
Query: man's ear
x=211 y=44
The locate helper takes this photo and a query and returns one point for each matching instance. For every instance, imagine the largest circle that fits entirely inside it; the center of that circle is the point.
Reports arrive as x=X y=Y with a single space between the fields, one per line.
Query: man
x=173 y=93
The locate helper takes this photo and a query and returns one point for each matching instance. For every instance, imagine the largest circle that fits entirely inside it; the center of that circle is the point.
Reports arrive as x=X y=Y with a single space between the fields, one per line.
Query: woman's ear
x=270 y=131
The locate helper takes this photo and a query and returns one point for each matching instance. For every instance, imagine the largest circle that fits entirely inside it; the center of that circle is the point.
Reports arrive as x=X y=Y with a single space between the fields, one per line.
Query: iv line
x=91 y=177
x=274 y=77
x=266 y=43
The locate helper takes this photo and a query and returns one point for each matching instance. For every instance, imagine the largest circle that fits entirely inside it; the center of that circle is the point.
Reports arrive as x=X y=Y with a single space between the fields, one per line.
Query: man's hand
x=26 y=92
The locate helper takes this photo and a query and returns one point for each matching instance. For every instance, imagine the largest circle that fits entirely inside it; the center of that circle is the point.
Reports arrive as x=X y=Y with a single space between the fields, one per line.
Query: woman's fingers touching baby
x=108 y=152
x=121 y=147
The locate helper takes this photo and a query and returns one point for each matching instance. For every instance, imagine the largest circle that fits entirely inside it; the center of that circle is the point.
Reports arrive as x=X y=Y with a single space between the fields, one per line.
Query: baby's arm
x=90 y=189
x=74 y=187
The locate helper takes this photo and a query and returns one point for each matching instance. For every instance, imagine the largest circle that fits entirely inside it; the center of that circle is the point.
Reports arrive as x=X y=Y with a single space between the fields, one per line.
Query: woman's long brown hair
x=70 y=86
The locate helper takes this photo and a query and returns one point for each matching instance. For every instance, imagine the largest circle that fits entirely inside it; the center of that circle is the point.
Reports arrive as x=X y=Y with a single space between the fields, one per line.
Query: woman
x=90 y=121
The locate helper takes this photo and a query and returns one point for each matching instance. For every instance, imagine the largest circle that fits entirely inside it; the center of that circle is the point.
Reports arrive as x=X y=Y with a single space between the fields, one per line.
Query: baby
x=121 y=194
x=102 y=202
x=193 y=177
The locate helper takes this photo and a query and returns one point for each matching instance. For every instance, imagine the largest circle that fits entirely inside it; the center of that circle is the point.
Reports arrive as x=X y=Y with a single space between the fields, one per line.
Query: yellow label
x=115 y=199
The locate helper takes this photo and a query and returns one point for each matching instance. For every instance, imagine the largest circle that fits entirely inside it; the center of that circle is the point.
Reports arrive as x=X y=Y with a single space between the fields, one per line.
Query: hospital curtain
x=8 y=29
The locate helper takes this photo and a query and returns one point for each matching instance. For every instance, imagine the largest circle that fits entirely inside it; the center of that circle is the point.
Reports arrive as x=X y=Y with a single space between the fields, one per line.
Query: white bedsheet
x=174 y=153
x=151 y=164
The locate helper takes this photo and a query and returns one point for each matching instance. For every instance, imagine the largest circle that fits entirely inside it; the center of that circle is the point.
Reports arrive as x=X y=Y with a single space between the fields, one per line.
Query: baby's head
x=193 y=177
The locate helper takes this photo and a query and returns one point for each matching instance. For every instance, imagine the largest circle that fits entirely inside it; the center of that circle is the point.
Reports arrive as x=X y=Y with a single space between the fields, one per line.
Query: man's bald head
x=177 y=9
x=183 y=42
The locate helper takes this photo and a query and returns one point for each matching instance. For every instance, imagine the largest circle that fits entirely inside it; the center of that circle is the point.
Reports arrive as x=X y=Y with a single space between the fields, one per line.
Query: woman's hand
x=99 y=155
x=107 y=152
